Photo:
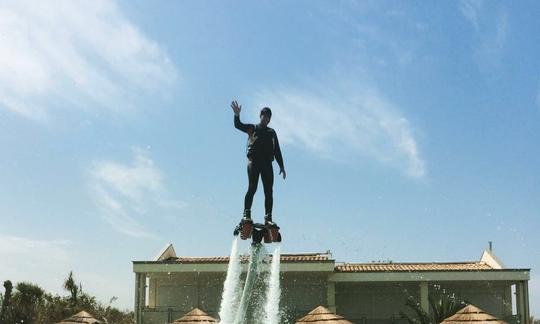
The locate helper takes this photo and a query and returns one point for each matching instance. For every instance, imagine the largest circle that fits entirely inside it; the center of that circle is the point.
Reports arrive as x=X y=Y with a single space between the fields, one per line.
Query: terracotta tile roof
x=348 y=267
x=292 y=258
x=407 y=267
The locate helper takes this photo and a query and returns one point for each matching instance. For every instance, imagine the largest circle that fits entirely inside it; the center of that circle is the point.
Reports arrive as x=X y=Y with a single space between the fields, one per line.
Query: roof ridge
x=306 y=253
x=323 y=254
x=387 y=263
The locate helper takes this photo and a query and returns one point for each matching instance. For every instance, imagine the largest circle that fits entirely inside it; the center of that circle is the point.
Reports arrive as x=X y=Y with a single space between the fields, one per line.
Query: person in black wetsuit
x=262 y=148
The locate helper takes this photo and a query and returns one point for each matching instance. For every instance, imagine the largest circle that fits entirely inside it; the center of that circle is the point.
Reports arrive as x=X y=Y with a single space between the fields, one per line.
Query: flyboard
x=268 y=233
x=247 y=229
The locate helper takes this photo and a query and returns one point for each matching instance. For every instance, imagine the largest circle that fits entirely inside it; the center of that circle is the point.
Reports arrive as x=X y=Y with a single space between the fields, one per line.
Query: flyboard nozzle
x=258 y=235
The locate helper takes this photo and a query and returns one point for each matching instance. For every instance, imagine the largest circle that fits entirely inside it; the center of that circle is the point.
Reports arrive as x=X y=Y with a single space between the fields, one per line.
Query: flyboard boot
x=245 y=227
x=271 y=233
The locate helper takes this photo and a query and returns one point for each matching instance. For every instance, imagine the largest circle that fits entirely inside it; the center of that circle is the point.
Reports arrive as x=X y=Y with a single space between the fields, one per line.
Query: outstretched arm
x=279 y=158
x=246 y=128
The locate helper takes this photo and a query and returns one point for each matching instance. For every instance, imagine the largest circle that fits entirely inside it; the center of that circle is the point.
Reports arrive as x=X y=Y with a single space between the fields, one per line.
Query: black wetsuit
x=262 y=148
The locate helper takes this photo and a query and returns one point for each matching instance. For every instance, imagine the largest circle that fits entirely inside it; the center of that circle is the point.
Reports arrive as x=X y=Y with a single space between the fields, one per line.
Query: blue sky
x=409 y=133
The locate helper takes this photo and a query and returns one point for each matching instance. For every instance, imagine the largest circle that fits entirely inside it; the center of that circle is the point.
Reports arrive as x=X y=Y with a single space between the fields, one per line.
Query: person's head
x=266 y=115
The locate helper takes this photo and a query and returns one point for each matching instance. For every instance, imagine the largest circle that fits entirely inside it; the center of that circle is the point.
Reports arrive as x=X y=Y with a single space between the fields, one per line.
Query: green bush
x=30 y=304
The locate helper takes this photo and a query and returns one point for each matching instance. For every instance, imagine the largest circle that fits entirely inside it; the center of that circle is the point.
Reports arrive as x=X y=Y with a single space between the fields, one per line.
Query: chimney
x=490 y=249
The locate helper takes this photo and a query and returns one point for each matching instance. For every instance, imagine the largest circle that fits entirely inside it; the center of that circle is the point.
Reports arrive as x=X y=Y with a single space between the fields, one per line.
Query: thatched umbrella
x=196 y=316
x=474 y=315
x=321 y=315
x=80 y=317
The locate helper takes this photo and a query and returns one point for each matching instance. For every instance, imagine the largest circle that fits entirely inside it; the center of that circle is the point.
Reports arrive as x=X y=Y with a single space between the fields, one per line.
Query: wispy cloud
x=538 y=97
x=21 y=256
x=75 y=55
x=354 y=124
x=344 y=115
x=55 y=258
x=126 y=194
x=385 y=35
x=46 y=249
x=490 y=25
x=383 y=47
x=471 y=9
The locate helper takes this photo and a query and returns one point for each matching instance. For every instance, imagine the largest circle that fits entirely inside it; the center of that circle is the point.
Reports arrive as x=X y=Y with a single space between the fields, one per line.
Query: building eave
x=401 y=276
x=174 y=267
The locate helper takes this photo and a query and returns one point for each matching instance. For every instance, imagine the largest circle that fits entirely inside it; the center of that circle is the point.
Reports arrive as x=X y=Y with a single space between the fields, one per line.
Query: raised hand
x=236 y=107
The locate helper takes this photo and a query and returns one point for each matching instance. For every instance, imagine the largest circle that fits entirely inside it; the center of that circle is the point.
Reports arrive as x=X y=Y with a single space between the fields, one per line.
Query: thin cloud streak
x=16 y=245
x=471 y=9
x=84 y=55
x=21 y=256
x=345 y=127
x=490 y=25
x=127 y=193
x=55 y=258
x=538 y=97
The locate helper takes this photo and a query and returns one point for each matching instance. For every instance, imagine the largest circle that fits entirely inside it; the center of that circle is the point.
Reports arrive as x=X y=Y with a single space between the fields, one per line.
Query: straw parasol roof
x=321 y=315
x=472 y=314
x=196 y=316
x=80 y=317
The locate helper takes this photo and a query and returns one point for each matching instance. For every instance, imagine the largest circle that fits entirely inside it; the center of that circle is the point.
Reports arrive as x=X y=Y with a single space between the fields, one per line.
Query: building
x=367 y=293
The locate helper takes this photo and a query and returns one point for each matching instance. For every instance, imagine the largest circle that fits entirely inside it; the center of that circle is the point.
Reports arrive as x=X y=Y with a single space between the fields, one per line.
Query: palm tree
x=445 y=305
x=421 y=316
x=28 y=302
x=6 y=302
x=72 y=287
x=442 y=305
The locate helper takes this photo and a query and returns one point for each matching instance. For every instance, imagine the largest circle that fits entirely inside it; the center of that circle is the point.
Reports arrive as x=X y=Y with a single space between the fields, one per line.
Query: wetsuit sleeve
x=246 y=128
x=277 y=152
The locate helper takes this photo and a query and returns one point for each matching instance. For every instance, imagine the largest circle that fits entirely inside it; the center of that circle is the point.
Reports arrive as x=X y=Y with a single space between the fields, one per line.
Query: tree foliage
x=5 y=301
x=71 y=286
x=30 y=304
x=443 y=304
x=420 y=316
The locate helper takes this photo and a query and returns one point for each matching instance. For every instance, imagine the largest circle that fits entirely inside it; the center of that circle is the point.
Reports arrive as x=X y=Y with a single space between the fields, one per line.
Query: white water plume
x=256 y=259
x=273 y=292
x=231 y=287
